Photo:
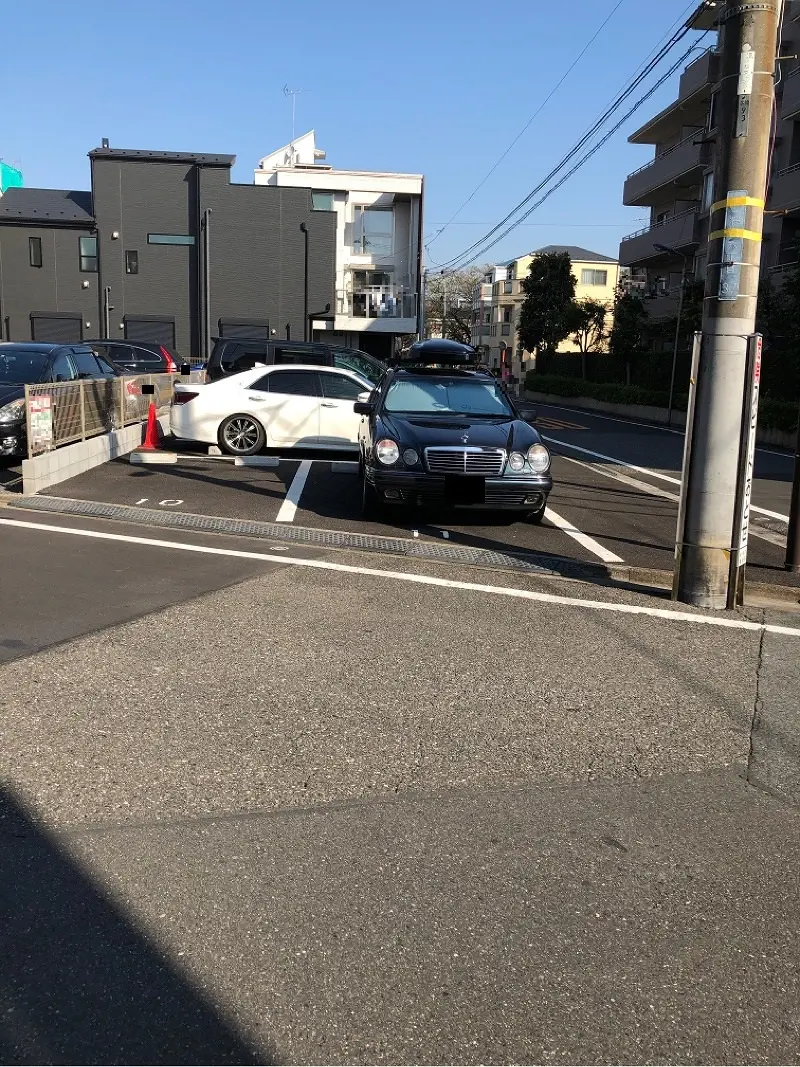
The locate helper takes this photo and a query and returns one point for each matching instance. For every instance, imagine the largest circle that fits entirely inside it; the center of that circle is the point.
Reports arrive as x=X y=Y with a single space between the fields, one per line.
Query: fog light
x=392 y=494
x=535 y=500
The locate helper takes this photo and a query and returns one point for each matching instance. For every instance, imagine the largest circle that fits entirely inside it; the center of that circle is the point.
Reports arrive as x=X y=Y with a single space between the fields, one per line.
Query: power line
x=536 y=113
x=656 y=57
x=486 y=247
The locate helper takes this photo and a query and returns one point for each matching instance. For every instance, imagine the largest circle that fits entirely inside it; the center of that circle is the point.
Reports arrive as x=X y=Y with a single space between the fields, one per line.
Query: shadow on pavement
x=79 y=983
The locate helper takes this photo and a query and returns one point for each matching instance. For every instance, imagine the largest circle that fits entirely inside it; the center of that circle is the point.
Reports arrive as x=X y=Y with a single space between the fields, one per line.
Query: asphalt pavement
x=347 y=811
x=274 y=801
x=614 y=501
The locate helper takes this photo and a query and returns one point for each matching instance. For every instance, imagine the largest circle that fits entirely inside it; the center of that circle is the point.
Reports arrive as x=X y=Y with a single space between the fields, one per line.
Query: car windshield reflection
x=447 y=396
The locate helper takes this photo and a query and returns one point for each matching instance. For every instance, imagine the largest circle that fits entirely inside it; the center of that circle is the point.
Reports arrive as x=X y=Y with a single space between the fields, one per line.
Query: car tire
x=241 y=435
x=535 y=517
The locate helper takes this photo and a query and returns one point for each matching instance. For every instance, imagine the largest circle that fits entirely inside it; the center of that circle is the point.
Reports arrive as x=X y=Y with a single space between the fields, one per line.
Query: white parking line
x=583 y=539
x=649 y=472
x=288 y=508
x=654 y=490
x=425 y=579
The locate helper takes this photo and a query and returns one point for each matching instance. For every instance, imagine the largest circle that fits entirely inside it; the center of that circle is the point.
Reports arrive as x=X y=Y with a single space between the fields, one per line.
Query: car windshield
x=446 y=396
x=24 y=366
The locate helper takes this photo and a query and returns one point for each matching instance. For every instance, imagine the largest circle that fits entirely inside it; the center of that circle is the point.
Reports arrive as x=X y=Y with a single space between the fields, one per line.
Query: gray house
x=164 y=249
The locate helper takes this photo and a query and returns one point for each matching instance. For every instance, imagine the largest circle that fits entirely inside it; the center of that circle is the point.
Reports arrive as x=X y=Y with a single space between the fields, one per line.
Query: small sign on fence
x=40 y=409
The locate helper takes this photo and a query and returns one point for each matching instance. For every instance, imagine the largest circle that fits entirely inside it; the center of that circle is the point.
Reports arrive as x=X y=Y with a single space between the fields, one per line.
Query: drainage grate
x=401 y=546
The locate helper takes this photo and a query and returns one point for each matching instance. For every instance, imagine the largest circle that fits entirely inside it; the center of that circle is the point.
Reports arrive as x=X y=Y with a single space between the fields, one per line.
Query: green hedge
x=772 y=414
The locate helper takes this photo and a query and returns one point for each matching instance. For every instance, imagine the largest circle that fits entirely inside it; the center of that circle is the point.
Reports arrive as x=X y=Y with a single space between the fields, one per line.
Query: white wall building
x=378 y=233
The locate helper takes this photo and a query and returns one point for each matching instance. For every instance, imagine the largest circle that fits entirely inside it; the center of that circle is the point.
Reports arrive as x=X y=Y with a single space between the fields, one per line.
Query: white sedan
x=276 y=406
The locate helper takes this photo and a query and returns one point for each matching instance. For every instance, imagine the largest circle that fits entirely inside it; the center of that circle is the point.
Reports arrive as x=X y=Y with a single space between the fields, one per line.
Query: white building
x=378 y=236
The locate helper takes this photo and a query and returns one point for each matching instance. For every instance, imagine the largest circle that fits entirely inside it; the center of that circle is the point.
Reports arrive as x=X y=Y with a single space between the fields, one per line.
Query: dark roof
x=51 y=205
x=144 y=155
x=35 y=346
x=583 y=255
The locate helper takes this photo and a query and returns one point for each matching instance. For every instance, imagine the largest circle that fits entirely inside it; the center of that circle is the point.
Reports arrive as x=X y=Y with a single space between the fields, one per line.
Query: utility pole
x=444 y=301
x=749 y=32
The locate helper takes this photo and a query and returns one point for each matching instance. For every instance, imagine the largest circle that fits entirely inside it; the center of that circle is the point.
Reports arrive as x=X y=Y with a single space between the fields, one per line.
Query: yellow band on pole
x=748 y=235
x=738 y=201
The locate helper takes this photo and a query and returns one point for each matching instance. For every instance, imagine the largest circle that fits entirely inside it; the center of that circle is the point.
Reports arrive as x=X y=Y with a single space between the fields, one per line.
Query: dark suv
x=232 y=355
x=136 y=357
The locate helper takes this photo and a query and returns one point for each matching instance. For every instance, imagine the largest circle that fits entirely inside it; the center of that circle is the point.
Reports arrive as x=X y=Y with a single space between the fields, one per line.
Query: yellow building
x=500 y=296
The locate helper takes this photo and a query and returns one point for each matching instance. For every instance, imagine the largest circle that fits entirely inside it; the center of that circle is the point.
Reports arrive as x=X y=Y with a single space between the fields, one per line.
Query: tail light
x=182 y=396
x=171 y=365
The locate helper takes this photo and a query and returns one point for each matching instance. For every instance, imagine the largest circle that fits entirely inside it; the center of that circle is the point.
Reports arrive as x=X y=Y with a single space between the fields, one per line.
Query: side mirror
x=361 y=407
x=529 y=416
x=363 y=398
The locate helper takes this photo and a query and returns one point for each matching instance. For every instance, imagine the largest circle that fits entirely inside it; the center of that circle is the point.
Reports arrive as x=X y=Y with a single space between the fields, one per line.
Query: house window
x=487 y=318
x=508 y=287
x=321 y=201
x=170 y=239
x=708 y=190
x=661 y=218
x=373 y=229
x=594 y=277
x=35 y=251
x=131 y=262
x=506 y=314
x=87 y=248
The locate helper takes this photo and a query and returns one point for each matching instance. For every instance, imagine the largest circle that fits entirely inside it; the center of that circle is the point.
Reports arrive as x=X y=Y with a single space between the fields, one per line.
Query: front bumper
x=526 y=493
x=12 y=439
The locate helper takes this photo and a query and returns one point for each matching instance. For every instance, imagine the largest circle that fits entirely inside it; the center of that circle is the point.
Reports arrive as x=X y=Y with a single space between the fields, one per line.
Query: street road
x=266 y=800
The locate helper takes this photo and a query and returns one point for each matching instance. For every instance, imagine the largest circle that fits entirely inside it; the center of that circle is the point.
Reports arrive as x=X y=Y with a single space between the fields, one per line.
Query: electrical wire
x=595 y=148
x=655 y=58
x=535 y=115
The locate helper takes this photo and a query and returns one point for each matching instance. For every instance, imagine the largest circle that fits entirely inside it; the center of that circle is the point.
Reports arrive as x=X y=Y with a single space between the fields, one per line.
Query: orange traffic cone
x=150 y=450
x=151 y=438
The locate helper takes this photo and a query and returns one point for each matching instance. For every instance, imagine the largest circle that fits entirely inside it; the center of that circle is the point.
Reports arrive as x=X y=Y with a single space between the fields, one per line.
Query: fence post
x=83 y=414
x=28 y=421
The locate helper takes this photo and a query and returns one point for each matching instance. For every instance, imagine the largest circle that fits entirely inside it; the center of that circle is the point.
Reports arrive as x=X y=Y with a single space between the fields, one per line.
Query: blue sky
x=433 y=88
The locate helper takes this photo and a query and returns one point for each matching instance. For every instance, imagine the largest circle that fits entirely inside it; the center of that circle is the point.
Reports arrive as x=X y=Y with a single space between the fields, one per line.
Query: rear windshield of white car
x=443 y=396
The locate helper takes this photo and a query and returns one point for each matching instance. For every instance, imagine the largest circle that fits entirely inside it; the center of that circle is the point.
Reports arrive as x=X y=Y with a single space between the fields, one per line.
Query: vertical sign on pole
x=40 y=424
x=687 y=451
x=744 y=481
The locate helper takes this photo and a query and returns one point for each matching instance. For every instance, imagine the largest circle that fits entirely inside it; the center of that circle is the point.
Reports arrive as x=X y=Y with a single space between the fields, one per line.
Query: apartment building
x=378 y=219
x=676 y=186
x=499 y=296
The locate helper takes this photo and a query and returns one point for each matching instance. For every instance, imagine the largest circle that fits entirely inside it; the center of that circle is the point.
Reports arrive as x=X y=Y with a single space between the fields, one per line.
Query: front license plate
x=463 y=489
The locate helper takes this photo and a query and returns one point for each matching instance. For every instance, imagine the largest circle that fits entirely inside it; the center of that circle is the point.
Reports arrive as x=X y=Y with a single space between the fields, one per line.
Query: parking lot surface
x=614 y=501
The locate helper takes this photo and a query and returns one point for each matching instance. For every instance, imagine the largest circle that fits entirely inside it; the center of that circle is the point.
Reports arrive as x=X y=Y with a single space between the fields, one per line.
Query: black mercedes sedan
x=435 y=431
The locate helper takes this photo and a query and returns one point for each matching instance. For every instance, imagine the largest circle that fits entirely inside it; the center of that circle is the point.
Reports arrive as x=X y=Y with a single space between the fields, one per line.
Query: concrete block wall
x=69 y=461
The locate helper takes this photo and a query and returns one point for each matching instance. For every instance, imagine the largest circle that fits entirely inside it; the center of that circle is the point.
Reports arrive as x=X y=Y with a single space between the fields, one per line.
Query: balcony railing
x=690 y=154
x=376 y=302
x=702 y=72
x=678 y=231
x=785 y=189
x=790 y=100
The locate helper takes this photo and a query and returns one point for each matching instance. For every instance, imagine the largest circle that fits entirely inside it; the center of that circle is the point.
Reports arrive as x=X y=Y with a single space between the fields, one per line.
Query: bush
x=772 y=414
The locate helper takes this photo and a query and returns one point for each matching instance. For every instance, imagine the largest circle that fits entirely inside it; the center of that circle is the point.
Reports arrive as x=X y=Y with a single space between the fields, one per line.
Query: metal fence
x=58 y=413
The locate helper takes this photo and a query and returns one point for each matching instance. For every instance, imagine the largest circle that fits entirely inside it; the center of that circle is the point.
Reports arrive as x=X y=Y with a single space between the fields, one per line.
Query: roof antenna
x=293 y=93
x=105 y=142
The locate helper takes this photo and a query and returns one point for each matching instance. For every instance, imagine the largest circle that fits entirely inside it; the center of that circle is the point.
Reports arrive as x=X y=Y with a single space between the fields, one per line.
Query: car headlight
x=538 y=458
x=387 y=451
x=516 y=461
x=410 y=457
x=12 y=412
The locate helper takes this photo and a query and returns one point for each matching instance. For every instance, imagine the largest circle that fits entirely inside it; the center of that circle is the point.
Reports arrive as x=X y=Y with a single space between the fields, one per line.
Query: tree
x=455 y=288
x=626 y=341
x=547 y=313
x=588 y=328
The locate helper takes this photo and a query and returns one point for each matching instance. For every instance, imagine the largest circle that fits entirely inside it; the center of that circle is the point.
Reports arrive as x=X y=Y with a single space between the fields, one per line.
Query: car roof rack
x=440 y=352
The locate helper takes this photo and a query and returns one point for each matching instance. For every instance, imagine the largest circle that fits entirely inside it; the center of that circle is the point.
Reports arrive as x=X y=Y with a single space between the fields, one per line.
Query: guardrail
x=59 y=413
